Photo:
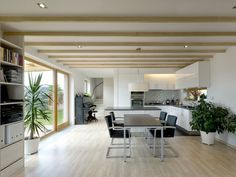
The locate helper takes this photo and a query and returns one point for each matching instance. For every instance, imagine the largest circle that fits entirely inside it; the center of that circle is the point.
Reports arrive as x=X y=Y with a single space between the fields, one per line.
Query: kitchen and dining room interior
x=117 y=88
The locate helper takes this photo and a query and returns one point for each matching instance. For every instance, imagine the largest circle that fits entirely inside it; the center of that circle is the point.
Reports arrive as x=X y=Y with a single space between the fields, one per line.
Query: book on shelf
x=10 y=56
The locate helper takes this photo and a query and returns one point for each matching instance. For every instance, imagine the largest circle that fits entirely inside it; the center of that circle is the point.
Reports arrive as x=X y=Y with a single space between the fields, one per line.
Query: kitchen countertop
x=131 y=108
x=178 y=106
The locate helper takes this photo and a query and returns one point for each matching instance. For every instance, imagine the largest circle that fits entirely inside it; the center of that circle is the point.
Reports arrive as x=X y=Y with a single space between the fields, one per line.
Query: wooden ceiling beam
x=127 y=61
x=121 y=34
x=138 y=44
x=125 y=19
x=126 y=66
x=132 y=51
x=130 y=56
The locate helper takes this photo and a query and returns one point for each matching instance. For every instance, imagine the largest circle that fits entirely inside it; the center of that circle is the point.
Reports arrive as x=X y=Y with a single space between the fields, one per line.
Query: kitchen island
x=121 y=111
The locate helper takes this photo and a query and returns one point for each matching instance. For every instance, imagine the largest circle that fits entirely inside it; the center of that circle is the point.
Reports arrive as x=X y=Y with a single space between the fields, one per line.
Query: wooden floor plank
x=80 y=151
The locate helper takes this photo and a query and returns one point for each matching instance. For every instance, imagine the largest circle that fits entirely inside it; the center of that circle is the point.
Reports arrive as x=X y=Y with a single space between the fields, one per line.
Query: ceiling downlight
x=42 y=5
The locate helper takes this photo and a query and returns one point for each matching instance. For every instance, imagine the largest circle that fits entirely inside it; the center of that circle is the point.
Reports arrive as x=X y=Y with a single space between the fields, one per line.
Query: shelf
x=10 y=103
x=9 y=83
x=10 y=64
x=6 y=145
x=12 y=123
x=9 y=44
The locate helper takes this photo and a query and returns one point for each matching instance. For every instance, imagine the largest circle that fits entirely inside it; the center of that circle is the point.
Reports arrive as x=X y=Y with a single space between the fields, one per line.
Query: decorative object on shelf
x=1 y=76
x=209 y=118
x=36 y=111
x=193 y=94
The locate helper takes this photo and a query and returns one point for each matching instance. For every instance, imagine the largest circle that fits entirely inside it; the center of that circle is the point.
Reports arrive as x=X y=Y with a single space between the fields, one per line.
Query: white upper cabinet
x=196 y=75
x=160 y=81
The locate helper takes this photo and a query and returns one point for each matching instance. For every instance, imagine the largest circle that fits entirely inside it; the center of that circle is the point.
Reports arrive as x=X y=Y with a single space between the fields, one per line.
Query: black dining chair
x=162 y=118
x=163 y=115
x=116 y=132
x=168 y=131
x=116 y=121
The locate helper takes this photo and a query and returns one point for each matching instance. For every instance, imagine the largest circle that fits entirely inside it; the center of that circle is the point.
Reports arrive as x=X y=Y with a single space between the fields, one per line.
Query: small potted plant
x=209 y=119
x=36 y=112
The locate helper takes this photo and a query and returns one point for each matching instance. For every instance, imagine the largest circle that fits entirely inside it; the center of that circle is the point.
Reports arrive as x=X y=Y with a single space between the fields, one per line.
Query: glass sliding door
x=62 y=98
x=34 y=69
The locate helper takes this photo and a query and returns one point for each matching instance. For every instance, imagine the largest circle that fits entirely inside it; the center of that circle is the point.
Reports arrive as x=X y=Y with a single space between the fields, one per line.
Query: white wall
x=108 y=92
x=223 y=85
x=76 y=86
x=99 y=89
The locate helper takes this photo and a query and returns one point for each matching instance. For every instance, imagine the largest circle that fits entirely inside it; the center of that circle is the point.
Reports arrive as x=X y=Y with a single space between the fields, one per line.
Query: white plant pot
x=31 y=146
x=208 y=138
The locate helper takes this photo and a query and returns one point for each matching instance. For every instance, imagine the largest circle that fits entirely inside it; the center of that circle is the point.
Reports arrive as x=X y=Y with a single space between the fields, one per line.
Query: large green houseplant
x=209 y=118
x=36 y=112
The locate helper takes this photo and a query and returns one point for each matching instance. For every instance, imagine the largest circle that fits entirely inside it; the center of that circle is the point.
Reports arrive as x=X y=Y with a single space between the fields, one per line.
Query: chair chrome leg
x=154 y=143
x=121 y=156
x=162 y=146
x=112 y=141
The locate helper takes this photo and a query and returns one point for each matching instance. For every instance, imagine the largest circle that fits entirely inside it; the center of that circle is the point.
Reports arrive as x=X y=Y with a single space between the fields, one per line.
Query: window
x=62 y=98
x=34 y=69
x=59 y=107
x=86 y=86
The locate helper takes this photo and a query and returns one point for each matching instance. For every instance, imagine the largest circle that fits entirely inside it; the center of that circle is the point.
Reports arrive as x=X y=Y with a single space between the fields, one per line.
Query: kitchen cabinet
x=160 y=81
x=122 y=93
x=184 y=116
x=196 y=75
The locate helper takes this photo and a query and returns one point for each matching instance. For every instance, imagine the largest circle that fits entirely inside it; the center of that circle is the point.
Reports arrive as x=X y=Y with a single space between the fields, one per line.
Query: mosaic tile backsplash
x=160 y=96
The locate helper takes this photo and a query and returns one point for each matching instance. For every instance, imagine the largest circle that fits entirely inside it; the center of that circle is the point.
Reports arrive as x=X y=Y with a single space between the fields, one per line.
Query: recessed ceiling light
x=42 y=5
x=185 y=46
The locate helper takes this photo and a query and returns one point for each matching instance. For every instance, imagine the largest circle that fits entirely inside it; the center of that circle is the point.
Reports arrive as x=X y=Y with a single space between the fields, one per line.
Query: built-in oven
x=136 y=103
x=137 y=99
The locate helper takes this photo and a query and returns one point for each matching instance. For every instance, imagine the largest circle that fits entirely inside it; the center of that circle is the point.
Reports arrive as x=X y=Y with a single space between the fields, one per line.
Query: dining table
x=144 y=121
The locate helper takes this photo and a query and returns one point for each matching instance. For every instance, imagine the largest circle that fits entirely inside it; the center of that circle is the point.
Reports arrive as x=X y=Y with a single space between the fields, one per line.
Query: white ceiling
x=120 y=7
x=134 y=8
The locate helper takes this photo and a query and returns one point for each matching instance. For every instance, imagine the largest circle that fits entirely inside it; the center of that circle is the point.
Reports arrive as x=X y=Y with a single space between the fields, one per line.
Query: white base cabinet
x=184 y=116
x=11 y=154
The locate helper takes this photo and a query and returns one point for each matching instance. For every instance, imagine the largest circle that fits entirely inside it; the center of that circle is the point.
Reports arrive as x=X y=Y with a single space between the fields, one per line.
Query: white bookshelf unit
x=11 y=108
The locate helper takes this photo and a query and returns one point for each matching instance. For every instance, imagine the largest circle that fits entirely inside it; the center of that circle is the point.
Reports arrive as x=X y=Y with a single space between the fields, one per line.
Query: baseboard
x=225 y=143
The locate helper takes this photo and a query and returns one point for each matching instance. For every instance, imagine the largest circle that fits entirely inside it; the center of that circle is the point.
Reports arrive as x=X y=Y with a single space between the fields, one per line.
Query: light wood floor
x=80 y=151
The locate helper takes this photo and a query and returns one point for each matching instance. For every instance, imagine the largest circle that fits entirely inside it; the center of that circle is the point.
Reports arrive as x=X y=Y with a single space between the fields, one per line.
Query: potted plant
x=209 y=119
x=36 y=112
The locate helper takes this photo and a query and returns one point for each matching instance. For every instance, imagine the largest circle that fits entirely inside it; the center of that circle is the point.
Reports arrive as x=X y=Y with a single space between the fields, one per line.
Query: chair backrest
x=171 y=121
x=109 y=124
x=163 y=115
x=112 y=114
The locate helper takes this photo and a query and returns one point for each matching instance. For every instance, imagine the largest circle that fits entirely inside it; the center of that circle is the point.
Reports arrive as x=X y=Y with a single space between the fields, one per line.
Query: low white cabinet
x=2 y=135
x=11 y=154
x=14 y=132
